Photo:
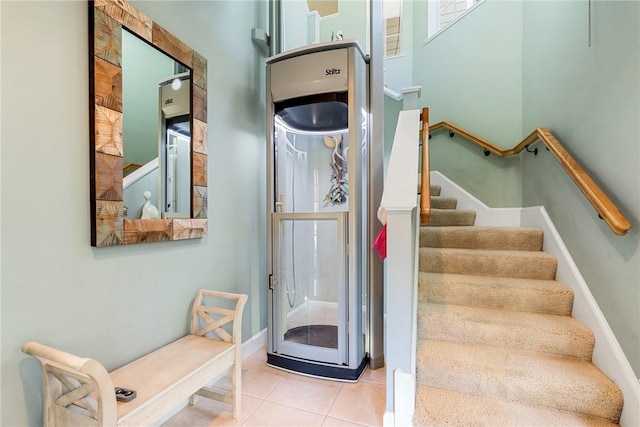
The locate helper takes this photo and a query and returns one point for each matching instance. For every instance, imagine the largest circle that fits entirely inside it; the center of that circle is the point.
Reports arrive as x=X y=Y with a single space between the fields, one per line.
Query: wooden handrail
x=425 y=184
x=607 y=210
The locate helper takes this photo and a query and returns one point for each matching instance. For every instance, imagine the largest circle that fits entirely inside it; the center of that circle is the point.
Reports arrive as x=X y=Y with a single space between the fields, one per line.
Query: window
x=392 y=39
x=444 y=12
x=392 y=12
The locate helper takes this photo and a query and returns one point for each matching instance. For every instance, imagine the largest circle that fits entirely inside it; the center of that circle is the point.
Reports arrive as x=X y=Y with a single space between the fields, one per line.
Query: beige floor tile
x=375 y=376
x=335 y=422
x=309 y=394
x=211 y=413
x=361 y=403
x=272 y=397
x=258 y=379
x=274 y=414
x=261 y=354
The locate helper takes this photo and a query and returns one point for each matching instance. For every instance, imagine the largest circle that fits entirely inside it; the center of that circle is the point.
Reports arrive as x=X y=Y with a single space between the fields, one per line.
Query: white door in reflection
x=178 y=170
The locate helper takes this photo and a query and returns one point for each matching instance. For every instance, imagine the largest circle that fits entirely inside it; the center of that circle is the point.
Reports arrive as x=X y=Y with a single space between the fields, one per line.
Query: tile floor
x=272 y=397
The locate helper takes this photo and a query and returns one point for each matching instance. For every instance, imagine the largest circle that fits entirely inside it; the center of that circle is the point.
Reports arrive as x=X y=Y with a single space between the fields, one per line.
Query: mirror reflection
x=148 y=130
x=156 y=132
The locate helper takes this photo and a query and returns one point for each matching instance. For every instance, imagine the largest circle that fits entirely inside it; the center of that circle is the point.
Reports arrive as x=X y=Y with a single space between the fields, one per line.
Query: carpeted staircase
x=497 y=345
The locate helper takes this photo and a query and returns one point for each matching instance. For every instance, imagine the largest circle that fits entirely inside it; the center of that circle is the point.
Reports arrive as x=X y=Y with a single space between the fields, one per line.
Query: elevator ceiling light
x=317 y=118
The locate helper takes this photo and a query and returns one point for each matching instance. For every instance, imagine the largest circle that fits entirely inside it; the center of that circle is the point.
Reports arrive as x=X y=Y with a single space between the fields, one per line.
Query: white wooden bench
x=80 y=392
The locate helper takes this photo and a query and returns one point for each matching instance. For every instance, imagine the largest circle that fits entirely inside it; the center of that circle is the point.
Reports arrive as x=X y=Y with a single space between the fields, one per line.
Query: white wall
x=589 y=97
x=115 y=304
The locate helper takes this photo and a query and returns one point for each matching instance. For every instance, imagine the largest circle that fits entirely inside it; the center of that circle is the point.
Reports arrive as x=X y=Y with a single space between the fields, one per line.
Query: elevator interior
x=317 y=202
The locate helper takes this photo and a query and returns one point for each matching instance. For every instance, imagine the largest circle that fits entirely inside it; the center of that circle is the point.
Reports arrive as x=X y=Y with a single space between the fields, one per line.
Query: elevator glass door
x=309 y=246
x=310 y=283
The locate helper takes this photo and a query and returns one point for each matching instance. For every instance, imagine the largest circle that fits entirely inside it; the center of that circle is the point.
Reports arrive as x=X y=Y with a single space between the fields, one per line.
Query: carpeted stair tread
x=520 y=377
x=442 y=217
x=521 y=264
x=439 y=202
x=438 y=407
x=533 y=295
x=561 y=336
x=503 y=238
x=497 y=345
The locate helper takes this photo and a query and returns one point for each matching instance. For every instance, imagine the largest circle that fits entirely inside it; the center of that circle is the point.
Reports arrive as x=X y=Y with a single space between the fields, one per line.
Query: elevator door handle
x=280 y=204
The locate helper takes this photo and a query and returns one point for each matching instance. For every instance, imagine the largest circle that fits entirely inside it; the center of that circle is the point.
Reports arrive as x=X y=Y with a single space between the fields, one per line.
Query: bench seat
x=180 y=369
x=79 y=391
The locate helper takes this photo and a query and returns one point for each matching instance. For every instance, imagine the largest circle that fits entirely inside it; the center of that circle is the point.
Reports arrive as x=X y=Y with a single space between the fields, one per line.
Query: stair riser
x=560 y=337
x=434 y=190
x=481 y=238
x=443 y=202
x=449 y=217
x=518 y=377
x=498 y=294
x=519 y=264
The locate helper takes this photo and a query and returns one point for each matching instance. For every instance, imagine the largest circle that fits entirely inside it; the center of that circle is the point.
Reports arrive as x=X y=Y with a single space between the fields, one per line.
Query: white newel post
x=400 y=294
x=400 y=206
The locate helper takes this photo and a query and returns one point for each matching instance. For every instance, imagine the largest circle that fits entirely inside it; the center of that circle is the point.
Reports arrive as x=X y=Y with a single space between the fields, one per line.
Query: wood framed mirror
x=114 y=223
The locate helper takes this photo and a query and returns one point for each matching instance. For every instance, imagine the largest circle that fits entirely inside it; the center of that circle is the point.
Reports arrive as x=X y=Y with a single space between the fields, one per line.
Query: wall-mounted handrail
x=606 y=209
x=425 y=185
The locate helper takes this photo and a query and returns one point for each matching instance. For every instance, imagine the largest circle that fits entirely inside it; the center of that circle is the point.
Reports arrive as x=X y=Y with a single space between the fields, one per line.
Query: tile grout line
x=251 y=413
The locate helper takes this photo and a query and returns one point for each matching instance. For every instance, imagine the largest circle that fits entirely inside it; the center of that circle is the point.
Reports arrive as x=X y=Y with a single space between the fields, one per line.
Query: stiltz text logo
x=332 y=71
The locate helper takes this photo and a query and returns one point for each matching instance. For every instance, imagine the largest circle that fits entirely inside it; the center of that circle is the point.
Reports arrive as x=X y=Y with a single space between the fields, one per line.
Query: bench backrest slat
x=201 y=313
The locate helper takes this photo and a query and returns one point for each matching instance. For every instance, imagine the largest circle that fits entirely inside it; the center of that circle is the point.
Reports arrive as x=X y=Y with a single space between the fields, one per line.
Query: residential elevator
x=317 y=119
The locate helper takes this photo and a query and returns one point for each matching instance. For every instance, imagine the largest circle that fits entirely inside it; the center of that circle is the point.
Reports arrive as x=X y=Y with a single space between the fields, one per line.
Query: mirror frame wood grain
x=109 y=227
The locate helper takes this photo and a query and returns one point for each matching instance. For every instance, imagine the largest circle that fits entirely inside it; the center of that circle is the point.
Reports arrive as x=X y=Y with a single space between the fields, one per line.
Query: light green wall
x=471 y=75
x=295 y=31
x=512 y=66
x=392 y=109
x=115 y=304
x=351 y=19
x=589 y=97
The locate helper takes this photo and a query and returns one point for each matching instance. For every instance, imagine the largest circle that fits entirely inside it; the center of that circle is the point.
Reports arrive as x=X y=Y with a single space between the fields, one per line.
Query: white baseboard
x=404 y=397
x=607 y=353
x=484 y=214
x=254 y=344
